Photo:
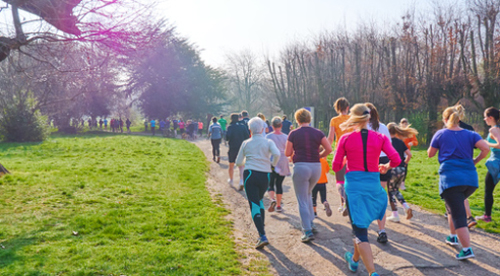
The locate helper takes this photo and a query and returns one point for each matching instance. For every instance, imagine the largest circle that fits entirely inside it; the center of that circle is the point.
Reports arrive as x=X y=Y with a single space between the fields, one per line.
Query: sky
x=219 y=27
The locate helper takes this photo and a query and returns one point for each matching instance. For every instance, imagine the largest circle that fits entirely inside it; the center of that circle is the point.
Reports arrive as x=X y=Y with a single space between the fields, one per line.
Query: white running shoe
x=230 y=182
x=393 y=219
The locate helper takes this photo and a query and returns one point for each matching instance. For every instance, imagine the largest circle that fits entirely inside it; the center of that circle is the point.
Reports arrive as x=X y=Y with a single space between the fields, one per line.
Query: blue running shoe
x=465 y=254
x=374 y=274
x=352 y=265
x=261 y=242
x=307 y=237
x=452 y=240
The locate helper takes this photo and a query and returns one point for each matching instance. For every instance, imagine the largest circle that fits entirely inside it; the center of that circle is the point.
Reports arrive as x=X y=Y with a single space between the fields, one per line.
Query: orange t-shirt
x=325 y=168
x=336 y=122
x=413 y=140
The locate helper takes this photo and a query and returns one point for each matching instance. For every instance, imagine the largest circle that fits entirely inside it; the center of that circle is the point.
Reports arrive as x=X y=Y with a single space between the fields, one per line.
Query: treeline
x=141 y=66
x=415 y=68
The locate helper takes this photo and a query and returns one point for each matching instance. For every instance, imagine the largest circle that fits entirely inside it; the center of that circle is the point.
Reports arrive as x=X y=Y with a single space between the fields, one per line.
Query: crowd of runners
x=369 y=157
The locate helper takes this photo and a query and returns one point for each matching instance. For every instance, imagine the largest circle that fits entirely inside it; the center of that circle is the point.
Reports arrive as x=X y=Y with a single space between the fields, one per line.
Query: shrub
x=18 y=123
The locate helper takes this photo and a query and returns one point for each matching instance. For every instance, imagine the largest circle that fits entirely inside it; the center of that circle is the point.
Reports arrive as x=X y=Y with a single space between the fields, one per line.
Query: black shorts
x=232 y=154
x=388 y=175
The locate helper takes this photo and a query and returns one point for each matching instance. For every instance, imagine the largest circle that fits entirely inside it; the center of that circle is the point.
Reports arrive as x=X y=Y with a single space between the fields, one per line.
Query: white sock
x=395 y=214
x=406 y=206
x=453 y=235
x=466 y=249
x=381 y=231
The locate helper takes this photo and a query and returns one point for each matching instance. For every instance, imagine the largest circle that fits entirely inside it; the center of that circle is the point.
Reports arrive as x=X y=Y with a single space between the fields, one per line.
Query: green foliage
x=173 y=79
x=138 y=206
x=18 y=123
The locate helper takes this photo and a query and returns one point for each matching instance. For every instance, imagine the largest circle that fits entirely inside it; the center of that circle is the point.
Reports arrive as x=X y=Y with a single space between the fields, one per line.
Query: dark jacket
x=235 y=135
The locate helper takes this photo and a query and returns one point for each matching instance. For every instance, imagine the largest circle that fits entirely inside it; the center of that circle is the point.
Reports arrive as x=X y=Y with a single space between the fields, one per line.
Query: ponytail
x=360 y=114
x=452 y=116
x=403 y=132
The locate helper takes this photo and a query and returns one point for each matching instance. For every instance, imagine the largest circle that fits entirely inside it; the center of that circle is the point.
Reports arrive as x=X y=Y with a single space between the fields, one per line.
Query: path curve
x=414 y=248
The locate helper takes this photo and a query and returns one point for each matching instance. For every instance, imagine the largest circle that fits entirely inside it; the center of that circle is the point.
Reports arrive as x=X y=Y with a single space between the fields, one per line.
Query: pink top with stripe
x=351 y=145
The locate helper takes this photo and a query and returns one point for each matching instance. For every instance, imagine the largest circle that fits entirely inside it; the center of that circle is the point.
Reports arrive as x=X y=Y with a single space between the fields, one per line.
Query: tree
x=170 y=78
x=245 y=80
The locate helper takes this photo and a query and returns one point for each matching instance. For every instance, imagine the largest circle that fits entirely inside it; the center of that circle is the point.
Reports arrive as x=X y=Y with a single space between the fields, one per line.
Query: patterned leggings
x=397 y=177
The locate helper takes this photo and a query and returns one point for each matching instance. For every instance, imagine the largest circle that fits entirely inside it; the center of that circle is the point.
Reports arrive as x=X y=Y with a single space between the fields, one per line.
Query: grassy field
x=422 y=188
x=103 y=204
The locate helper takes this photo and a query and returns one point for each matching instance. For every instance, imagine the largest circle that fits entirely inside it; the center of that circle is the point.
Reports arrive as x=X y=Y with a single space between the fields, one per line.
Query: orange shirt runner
x=336 y=122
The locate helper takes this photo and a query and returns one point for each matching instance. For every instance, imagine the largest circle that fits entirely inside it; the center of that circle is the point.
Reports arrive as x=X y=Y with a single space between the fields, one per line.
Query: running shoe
x=471 y=222
x=218 y=159
x=328 y=209
x=345 y=212
x=315 y=214
x=230 y=181
x=382 y=237
x=393 y=218
x=445 y=214
x=452 y=240
x=273 y=205
x=261 y=242
x=314 y=229
x=279 y=209
x=352 y=265
x=409 y=213
x=307 y=237
x=213 y=158
x=484 y=218
x=374 y=274
x=465 y=254
x=241 y=188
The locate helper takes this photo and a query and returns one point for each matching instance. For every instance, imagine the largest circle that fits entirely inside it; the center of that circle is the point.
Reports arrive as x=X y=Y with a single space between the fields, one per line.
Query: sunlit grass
x=109 y=205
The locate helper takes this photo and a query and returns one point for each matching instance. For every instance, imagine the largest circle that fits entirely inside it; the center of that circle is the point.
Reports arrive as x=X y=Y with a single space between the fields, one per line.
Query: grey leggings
x=305 y=176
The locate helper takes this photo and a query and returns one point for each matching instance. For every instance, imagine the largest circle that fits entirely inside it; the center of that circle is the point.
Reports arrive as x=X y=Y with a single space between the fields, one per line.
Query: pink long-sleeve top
x=351 y=146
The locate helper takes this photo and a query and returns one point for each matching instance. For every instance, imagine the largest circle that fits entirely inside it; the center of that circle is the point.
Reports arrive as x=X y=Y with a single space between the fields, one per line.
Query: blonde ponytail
x=452 y=116
x=403 y=132
x=360 y=114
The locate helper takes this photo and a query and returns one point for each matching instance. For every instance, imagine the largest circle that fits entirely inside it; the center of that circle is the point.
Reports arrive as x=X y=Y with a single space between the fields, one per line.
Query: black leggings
x=489 y=187
x=215 y=147
x=454 y=198
x=321 y=188
x=256 y=184
x=277 y=180
x=361 y=234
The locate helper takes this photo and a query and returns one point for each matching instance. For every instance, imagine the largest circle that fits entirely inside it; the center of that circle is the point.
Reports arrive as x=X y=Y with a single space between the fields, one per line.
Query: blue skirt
x=457 y=172
x=493 y=165
x=366 y=198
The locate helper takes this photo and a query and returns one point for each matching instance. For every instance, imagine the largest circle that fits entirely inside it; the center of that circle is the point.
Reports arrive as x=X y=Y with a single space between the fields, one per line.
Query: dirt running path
x=414 y=248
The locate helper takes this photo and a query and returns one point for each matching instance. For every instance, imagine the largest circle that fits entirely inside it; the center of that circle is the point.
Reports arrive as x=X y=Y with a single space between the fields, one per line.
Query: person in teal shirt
x=492 y=119
x=153 y=124
x=223 y=124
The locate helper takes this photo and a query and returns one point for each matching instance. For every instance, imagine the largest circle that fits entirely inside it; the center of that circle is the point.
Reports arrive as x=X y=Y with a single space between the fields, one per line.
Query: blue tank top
x=491 y=140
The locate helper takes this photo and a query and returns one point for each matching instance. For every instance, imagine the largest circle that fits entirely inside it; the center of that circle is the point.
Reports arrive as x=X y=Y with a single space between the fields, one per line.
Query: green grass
x=138 y=204
x=422 y=188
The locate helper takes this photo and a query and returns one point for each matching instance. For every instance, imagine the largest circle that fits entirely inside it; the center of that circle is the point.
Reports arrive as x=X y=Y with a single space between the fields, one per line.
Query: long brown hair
x=374 y=117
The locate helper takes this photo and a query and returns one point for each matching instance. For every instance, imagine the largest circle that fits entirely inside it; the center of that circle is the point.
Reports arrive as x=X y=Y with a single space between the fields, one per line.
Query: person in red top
x=410 y=141
x=200 y=128
x=366 y=199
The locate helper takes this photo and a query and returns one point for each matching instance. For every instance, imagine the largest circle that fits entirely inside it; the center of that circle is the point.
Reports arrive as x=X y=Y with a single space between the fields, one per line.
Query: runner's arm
x=483 y=147
x=495 y=134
